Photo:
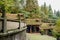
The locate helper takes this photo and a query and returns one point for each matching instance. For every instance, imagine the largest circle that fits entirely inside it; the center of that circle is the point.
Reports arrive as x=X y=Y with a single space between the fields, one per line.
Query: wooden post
x=19 y=20
x=19 y=23
x=4 y=21
x=46 y=31
x=35 y=29
x=31 y=29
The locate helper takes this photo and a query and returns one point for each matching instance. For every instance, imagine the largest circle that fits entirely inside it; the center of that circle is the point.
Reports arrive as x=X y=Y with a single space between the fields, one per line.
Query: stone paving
x=39 y=37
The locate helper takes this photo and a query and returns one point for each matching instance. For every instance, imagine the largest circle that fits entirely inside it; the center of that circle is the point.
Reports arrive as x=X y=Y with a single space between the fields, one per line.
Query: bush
x=56 y=30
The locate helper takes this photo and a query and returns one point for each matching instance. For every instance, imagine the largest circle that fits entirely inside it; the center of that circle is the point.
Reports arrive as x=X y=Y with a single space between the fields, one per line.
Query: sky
x=55 y=4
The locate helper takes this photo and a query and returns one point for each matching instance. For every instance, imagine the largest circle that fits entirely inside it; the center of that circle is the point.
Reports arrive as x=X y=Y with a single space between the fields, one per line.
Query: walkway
x=37 y=36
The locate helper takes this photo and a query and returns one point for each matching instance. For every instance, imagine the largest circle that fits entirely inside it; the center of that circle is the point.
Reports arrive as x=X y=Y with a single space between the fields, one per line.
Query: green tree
x=50 y=12
x=56 y=30
x=54 y=15
x=44 y=10
x=33 y=8
x=11 y=6
x=2 y=5
x=58 y=14
x=8 y=4
x=58 y=25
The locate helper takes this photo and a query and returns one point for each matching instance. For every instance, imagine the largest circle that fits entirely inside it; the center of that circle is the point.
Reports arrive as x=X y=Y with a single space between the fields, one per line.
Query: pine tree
x=44 y=11
x=32 y=7
x=50 y=12
x=58 y=14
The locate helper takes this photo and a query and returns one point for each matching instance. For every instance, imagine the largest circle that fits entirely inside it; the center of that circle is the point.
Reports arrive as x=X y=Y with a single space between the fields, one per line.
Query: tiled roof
x=33 y=22
x=46 y=26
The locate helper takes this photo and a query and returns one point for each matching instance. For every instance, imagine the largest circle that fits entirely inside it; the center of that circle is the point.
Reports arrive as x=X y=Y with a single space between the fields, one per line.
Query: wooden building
x=36 y=26
x=33 y=25
x=46 y=28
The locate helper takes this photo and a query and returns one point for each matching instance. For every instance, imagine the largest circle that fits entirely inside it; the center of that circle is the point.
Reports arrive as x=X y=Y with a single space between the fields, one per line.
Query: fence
x=11 y=29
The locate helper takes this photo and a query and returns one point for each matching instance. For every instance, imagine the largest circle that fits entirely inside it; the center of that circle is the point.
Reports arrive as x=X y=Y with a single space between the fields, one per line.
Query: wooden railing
x=6 y=18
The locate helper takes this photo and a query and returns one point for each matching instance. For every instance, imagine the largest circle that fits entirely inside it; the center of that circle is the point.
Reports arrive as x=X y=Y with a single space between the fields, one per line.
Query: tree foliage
x=50 y=12
x=56 y=30
x=46 y=12
x=33 y=8
x=58 y=14
x=11 y=6
x=57 y=25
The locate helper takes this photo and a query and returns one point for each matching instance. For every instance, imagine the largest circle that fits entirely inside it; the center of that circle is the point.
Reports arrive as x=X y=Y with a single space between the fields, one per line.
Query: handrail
x=12 y=32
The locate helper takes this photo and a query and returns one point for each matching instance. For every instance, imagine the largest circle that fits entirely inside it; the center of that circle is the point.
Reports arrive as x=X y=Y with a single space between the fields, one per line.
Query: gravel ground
x=37 y=36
